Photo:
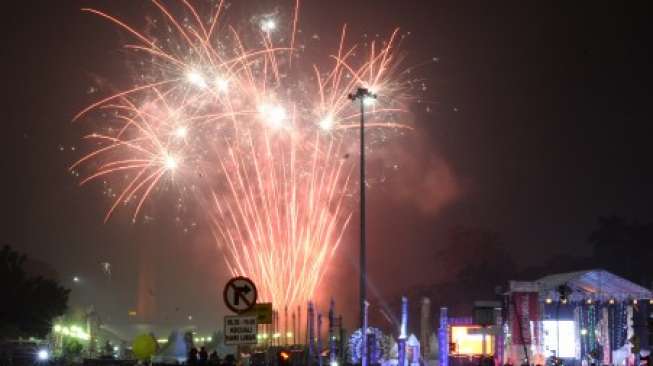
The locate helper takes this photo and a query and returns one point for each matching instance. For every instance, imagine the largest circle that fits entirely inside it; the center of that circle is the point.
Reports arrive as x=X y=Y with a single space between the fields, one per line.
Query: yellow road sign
x=263 y=312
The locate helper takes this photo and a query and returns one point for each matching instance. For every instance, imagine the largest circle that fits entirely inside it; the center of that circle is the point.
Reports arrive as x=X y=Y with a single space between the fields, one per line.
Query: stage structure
x=583 y=317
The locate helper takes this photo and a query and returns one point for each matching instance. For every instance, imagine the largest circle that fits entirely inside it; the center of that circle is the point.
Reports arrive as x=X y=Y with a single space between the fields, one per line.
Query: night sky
x=537 y=125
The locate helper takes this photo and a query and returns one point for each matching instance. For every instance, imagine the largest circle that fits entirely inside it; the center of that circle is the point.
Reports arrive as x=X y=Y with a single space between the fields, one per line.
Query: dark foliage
x=625 y=248
x=30 y=303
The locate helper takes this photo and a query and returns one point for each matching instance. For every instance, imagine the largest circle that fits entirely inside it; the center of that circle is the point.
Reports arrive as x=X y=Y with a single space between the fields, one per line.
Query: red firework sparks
x=268 y=133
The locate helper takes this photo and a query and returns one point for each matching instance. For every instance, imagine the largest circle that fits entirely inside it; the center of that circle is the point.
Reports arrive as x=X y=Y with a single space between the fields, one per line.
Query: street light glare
x=369 y=100
x=43 y=355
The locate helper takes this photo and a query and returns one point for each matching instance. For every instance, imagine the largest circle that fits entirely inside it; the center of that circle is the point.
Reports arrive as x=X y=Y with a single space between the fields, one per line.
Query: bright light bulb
x=170 y=162
x=195 y=78
x=368 y=101
x=181 y=132
x=268 y=25
x=327 y=123
x=43 y=355
x=273 y=115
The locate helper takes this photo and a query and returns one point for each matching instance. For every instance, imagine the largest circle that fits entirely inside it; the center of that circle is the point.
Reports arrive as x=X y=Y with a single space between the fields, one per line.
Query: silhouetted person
x=229 y=360
x=214 y=359
x=204 y=356
x=192 y=356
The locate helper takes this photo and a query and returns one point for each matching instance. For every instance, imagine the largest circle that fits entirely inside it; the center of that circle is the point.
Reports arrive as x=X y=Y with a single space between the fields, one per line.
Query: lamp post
x=362 y=95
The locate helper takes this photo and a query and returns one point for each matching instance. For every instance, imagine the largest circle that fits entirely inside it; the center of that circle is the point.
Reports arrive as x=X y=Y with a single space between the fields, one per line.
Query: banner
x=524 y=309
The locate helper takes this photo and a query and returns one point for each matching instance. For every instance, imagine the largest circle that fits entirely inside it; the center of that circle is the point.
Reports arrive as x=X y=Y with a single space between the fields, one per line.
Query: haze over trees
x=29 y=303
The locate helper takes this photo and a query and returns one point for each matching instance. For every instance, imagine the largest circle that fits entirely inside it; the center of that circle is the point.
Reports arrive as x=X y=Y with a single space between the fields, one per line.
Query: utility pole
x=362 y=95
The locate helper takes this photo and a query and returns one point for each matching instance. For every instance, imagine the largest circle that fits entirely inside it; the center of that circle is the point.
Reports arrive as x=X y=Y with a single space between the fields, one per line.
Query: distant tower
x=425 y=327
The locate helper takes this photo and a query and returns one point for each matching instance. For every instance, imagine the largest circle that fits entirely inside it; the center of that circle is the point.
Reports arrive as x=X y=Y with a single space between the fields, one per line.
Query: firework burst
x=269 y=135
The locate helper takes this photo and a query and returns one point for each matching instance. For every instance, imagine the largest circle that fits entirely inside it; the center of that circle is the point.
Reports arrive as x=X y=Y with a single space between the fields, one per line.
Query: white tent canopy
x=596 y=284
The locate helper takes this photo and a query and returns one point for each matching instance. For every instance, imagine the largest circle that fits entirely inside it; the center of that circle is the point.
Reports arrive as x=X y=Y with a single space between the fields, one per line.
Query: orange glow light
x=469 y=340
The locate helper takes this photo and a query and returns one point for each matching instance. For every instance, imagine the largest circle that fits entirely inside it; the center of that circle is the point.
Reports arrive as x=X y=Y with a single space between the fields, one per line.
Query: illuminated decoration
x=380 y=346
x=73 y=331
x=403 y=334
x=468 y=340
x=548 y=300
x=611 y=301
x=232 y=122
x=144 y=347
x=567 y=338
x=443 y=337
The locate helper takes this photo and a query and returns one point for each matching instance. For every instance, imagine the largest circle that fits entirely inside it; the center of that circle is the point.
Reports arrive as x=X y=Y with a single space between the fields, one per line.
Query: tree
x=72 y=349
x=30 y=303
x=624 y=248
x=477 y=263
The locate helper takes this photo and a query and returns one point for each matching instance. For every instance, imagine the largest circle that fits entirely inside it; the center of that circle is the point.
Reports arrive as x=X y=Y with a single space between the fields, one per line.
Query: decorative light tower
x=362 y=95
x=403 y=332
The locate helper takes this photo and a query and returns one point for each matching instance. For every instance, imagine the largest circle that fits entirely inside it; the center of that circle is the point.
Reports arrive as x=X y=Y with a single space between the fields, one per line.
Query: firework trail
x=262 y=138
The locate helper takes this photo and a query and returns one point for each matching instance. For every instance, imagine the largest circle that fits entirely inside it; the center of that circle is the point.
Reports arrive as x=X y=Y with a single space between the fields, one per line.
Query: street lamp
x=363 y=96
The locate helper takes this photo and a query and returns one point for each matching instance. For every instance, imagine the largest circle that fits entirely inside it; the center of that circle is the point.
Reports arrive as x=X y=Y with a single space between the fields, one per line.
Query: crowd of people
x=203 y=358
